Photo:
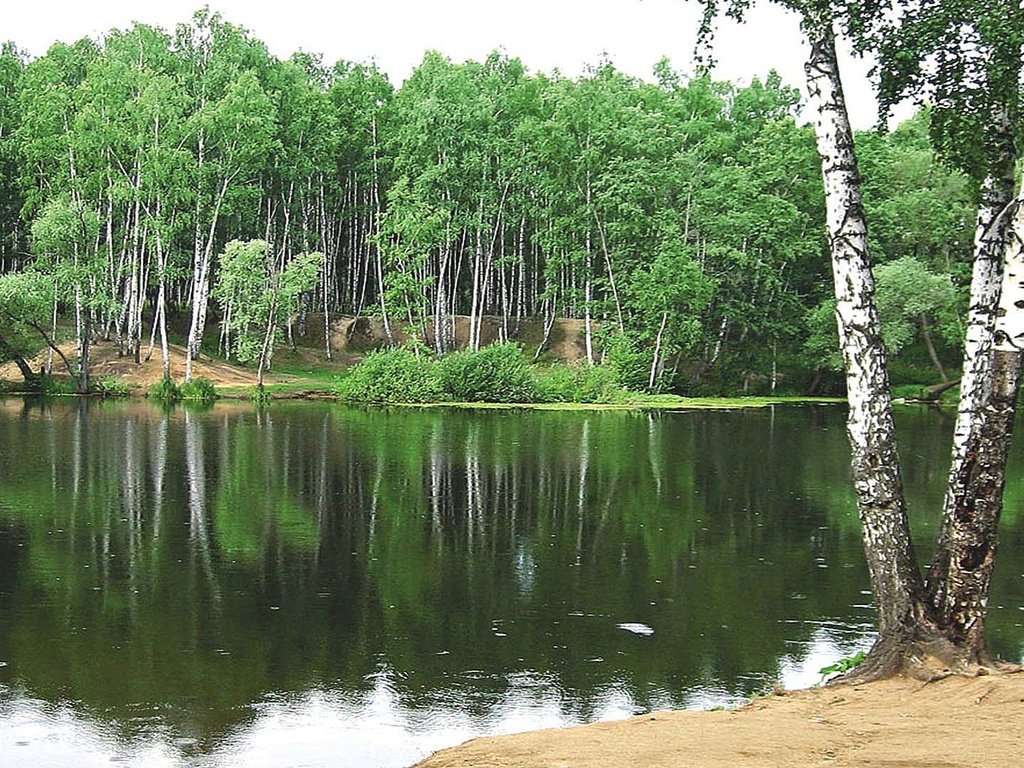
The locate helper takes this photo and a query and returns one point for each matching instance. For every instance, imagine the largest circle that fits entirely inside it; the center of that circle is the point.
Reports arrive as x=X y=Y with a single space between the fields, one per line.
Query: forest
x=187 y=193
x=191 y=185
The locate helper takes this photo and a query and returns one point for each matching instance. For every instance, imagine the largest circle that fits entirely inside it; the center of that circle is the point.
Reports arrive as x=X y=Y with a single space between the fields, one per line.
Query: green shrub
x=630 y=364
x=396 y=375
x=260 y=397
x=498 y=373
x=579 y=384
x=165 y=390
x=47 y=384
x=200 y=389
x=905 y=369
x=110 y=386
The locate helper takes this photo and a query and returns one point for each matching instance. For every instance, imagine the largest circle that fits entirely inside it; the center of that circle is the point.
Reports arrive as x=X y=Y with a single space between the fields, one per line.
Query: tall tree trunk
x=53 y=332
x=201 y=283
x=962 y=568
x=165 y=357
x=973 y=500
x=375 y=198
x=895 y=579
x=657 y=353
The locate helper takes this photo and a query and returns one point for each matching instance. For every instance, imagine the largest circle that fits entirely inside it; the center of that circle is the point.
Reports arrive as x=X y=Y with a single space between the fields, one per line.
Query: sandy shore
x=973 y=722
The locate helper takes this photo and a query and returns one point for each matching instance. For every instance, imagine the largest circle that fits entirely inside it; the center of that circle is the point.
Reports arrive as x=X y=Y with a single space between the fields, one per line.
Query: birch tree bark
x=895 y=579
x=962 y=569
x=967 y=486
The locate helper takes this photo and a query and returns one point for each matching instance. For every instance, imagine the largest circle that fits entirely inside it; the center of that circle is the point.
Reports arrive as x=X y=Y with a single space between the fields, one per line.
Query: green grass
x=306 y=370
x=632 y=401
x=282 y=388
x=639 y=402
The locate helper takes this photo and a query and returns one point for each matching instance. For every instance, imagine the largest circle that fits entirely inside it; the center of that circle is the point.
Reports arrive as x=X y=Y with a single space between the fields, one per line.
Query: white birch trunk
x=895 y=578
x=968 y=543
x=657 y=352
x=1010 y=318
x=960 y=572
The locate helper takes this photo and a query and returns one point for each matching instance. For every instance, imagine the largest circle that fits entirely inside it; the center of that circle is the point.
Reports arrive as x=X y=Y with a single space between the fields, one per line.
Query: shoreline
x=956 y=721
x=642 y=402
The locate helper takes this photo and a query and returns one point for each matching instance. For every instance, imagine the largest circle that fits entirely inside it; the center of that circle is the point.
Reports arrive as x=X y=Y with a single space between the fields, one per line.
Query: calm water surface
x=321 y=586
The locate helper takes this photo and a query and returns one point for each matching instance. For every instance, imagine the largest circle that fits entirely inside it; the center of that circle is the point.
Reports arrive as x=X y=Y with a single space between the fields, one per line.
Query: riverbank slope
x=301 y=374
x=957 y=721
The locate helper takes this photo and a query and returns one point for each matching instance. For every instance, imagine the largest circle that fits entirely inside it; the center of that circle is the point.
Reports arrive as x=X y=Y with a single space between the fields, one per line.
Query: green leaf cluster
x=398 y=375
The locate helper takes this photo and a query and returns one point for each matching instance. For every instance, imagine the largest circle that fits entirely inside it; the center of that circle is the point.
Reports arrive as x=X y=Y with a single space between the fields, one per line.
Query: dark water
x=322 y=586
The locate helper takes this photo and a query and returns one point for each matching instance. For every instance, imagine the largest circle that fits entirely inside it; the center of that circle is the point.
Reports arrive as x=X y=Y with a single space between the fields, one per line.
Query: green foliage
x=166 y=391
x=26 y=301
x=685 y=215
x=199 y=390
x=822 y=342
x=910 y=368
x=910 y=298
x=396 y=375
x=498 y=373
x=47 y=384
x=912 y=301
x=628 y=362
x=843 y=665
x=579 y=384
x=963 y=59
x=111 y=386
x=257 y=293
x=917 y=206
x=260 y=397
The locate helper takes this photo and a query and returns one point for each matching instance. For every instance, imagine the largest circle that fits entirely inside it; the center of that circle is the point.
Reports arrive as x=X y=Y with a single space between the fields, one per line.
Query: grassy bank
x=496 y=376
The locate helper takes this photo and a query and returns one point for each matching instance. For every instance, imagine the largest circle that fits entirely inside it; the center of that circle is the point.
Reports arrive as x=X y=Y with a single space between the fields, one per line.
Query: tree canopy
x=683 y=214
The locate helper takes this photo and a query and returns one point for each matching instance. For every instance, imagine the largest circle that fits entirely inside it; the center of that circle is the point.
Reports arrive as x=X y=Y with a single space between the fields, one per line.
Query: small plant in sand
x=842 y=666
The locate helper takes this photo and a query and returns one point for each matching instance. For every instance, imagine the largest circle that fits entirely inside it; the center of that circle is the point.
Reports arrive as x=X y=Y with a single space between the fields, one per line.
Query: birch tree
x=974 y=82
x=258 y=289
x=63 y=236
x=233 y=133
x=911 y=630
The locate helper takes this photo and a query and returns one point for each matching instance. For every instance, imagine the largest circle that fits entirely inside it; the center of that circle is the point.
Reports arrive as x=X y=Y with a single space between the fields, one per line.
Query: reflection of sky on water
x=372 y=730
x=802 y=668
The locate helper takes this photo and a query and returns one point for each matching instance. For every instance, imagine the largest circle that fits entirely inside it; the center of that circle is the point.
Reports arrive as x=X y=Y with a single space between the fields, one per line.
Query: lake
x=317 y=585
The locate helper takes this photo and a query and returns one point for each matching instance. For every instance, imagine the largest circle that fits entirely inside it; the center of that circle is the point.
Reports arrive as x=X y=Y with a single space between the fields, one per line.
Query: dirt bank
x=106 y=362
x=350 y=339
x=976 y=722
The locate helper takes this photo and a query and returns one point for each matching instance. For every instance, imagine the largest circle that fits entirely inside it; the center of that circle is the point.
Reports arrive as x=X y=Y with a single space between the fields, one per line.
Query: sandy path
x=976 y=722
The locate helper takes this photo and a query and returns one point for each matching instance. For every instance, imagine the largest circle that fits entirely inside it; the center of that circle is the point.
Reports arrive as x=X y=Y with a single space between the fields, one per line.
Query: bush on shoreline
x=201 y=390
x=499 y=373
x=399 y=375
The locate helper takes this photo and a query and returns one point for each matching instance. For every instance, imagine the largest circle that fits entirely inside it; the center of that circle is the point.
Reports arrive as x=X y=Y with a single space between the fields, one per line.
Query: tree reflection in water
x=218 y=586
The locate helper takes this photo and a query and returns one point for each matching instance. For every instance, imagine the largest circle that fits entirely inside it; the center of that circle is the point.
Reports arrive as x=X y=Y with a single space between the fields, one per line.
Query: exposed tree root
x=924 y=654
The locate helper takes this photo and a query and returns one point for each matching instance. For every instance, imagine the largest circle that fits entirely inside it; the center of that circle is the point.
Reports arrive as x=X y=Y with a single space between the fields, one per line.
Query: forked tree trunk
x=948 y=621
x=895 y=579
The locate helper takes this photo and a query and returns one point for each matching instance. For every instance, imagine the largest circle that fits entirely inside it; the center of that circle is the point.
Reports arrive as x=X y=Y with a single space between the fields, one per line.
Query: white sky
x=544 y=34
